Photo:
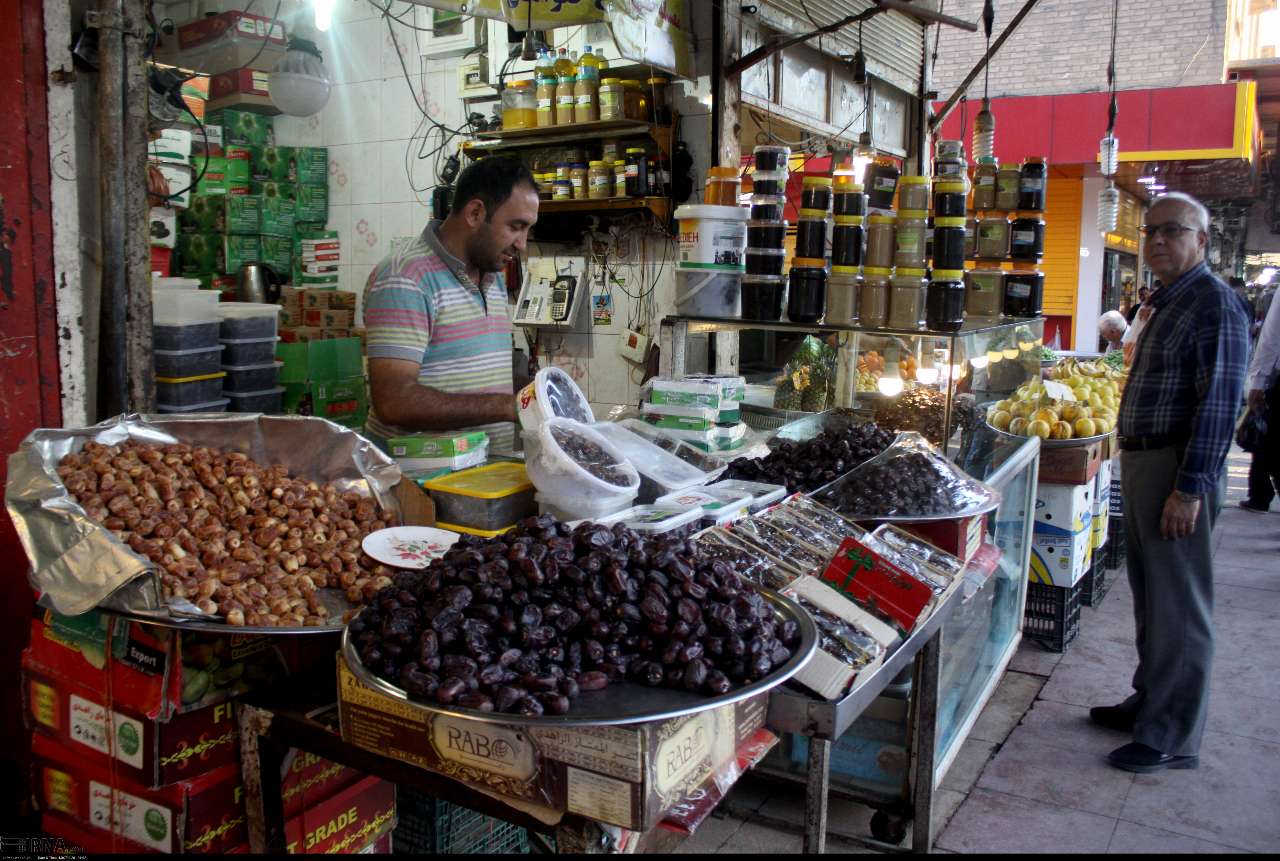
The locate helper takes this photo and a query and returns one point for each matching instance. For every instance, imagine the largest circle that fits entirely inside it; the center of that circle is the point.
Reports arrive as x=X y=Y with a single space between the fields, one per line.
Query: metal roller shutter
x=1062 y=246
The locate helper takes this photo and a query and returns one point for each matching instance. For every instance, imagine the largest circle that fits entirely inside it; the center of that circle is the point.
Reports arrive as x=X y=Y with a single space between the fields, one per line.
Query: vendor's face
x=499 y=238
x=1172 y=251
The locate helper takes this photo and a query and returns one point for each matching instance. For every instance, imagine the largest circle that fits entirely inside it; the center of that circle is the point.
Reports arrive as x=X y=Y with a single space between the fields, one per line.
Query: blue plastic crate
x=431 y=826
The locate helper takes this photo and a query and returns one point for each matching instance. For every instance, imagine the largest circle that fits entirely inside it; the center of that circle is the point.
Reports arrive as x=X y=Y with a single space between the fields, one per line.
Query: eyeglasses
x=1169 y=230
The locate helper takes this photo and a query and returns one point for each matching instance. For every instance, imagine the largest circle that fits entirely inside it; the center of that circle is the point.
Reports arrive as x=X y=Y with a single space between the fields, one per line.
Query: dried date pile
x=522 y=623
x=910 y=484
x=806 y=466
x=922 y=410
x=591 y=457
x=237 y=539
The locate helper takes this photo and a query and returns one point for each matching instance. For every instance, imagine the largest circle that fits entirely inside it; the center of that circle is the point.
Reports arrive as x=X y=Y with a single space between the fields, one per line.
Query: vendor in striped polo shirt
x=439 y=336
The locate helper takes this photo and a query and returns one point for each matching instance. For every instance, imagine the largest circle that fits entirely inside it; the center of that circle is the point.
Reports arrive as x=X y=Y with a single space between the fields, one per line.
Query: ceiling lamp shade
x=299 y=84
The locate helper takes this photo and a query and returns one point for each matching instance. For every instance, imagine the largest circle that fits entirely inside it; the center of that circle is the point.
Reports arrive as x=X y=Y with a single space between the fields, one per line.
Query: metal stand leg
x=925 y=742
x=815 y=807
x=261 y=763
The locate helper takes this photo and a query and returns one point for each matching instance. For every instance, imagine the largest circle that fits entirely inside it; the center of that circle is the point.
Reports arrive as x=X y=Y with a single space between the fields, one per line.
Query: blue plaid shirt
x=1188 y=373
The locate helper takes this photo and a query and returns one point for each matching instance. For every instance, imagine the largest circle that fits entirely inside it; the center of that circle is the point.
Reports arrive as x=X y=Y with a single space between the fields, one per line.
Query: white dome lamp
x=299 y=84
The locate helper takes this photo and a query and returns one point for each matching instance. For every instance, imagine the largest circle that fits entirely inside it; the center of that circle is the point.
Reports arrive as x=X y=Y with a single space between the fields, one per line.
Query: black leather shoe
x=1139 y=758
x=1117 y=718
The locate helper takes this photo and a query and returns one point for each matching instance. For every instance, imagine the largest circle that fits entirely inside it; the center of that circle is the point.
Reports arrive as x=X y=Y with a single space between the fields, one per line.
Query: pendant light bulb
x=890 y=383
x=299 y=84
x=323 y=14
x=984 y=132
x=1109 y=155
x=1108 y=208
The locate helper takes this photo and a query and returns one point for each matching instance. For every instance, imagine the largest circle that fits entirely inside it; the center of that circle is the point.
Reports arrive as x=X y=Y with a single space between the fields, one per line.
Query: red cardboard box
x=68 y=837
x=245 y=89
x=159 y=672
x=212 y=27
x=202 y=815
x=876 y=584
x=161 y=261
x=961 y=537
x=309 y=778
x=346 y=823
x=153 y=753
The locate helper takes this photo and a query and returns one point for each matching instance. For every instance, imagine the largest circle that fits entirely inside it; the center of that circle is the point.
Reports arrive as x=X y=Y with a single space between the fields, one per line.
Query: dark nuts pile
x=806 y=466
x=522 y=623
x=589 y=456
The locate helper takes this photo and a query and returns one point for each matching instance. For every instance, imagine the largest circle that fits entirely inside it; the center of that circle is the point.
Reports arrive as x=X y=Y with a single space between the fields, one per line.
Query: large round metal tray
x=990 y=504
x=1052 y=443
x=622 y=702
x=334 y=600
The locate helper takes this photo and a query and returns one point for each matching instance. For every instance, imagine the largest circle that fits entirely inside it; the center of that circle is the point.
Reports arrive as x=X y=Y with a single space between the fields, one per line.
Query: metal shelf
x=659 y=206
x=547 y=135
x=700 y=325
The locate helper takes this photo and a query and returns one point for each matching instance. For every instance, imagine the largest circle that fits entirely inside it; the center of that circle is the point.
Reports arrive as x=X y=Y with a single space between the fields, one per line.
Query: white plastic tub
x=717 y=509
x=762 y=495
x=552 y=393
x=653 y=520
x=557 y=474
x=660 y=471
x=712 y=237
x=708 y=293
x=570 y=508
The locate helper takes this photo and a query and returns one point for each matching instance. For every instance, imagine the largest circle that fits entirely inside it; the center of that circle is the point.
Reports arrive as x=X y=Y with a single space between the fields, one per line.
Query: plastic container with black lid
x=811 y=234
x=762 y=297
x=816 y=193
x=250 y=351
x=846 y=241
x=252 y=378
x=267 y=401
x=772 y=157
x=765 y=261
x=246 y=320
x=768 y=207
x=216 y=406
x=849 y=200
x=807 y=290
x=179 y=364
x=766 y=234
x=183 y=392
x=769 y=183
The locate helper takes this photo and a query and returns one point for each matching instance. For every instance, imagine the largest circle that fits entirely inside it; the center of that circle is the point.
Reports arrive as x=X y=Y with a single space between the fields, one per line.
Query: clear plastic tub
x=248 y=320
x=252 y=351
x=552 y=393
x=700 y=460
x=762 y=495
x=571 y=508
x=486 y=497
x=252 y=378
x=218 y=406
x=660 y=472
x=268 y=401
x=653 y=520
x=717 y=509
x=185 y=336
x=566 y=458
x=192 y=390
x=180 y=364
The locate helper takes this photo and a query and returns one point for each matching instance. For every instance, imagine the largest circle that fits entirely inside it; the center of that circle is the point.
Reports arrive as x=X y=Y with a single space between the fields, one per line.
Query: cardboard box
x=244 y=89
x=277 y=252
x=163 y=223
x=961 y=537
x=152 y=752
x=320 y=361
x=312 y=203
x=231 y=40
x=313 y=165
x=159 y=672
x=173 y=145
x=277 y=218
x=333 y=300
x=275 y=164
x=825 y=674
x=346 y=822
x=206 y=214
x=161 y=261
x=201 y=815
x=446 y=445
x=199 y=253
x=344 y=401
x=239 y=165
x=1074 y=464
x=243 y=128
x=301 y=335
x=65 y=836
x=877 y=585
x=209 y=143
x=331 y=319
x=628 y=776
x=214 y=180
x=237 y=251
x=1061 y=549
x=270 y=188
x=309 y=779
x=291 y=297
x=1101 y=506
x=179 y=177
x=290 y=319
x=317 y=270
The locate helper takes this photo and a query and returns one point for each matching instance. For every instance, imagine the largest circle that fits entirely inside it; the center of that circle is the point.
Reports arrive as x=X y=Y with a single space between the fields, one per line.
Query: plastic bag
x=909 y=480
x=690 y=455
x=808 y=379
x=748 y=562
x=840 y=639
x=824 y=517
x=572 y=459
x=797 y=527
x=1251 y=435
x=904 y=542
x=769 y=537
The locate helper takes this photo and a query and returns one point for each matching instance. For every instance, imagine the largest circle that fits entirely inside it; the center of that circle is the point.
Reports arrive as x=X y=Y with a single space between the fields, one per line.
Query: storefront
x=769 y=495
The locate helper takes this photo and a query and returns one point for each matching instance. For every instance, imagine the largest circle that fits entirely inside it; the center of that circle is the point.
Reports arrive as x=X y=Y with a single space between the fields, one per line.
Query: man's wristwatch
x=1183 y=496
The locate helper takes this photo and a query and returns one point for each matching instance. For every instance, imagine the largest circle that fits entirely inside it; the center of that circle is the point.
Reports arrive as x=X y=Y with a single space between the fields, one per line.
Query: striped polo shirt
x=420 y=306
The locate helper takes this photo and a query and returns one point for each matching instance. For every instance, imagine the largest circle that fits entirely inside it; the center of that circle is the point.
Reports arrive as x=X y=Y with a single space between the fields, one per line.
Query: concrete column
x=1089 y=286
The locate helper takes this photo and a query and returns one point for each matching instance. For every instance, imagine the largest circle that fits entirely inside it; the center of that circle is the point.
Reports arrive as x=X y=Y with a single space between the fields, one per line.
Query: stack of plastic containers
x=188 y=357
x=762 y=286
x=807 y=287
x=945 y=299
x=248 y=334
x=848 y=238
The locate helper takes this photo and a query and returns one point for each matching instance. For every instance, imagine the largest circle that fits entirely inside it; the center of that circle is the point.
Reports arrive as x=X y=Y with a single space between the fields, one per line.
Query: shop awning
x=1205 y=139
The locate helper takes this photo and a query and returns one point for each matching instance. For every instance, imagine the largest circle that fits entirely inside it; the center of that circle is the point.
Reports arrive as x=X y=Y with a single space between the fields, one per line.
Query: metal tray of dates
x=623 y=702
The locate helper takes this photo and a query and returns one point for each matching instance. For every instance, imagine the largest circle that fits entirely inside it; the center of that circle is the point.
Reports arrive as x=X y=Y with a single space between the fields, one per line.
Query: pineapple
x=789 y=394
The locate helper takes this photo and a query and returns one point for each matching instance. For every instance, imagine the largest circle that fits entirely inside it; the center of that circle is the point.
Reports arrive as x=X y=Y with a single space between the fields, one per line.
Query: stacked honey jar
x=763 y=284
x=1008 y=203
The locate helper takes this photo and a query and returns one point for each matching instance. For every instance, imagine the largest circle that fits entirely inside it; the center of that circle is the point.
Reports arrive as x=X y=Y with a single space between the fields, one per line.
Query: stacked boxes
x=703 y=410
x=135 y=741
x=170 y=154
x=316 y=257
x=325 y=378
x=1062 y=544
x=317 y=314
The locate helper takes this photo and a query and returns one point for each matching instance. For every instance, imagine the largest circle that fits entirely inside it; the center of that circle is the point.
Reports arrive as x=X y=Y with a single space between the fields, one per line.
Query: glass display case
x=931 y=382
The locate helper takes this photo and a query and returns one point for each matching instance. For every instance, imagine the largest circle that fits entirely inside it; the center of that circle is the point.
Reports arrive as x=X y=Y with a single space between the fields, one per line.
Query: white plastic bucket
x=712 y=237
x=708 y=293
x=555 y=474
x=552 y=393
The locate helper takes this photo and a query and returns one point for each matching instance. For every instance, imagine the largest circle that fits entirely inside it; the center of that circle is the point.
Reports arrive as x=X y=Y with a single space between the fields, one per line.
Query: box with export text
x=1061 y=543
x=1101 y=505
x=628 y=776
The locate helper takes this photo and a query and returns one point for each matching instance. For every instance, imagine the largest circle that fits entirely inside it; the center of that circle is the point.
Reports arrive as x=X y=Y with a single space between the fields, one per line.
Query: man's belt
x=1151 y=443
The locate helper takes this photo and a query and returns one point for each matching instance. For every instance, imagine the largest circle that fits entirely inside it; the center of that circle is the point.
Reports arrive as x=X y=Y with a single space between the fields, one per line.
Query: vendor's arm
x=399 y=399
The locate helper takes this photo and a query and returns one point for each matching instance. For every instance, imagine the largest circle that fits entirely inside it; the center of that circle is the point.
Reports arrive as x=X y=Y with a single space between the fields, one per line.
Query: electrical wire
x=204 y=133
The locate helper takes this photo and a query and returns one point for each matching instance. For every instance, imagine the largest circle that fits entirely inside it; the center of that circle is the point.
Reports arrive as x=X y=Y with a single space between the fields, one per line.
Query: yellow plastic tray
x=218 y=375
x=483 y=533
x=493 y=481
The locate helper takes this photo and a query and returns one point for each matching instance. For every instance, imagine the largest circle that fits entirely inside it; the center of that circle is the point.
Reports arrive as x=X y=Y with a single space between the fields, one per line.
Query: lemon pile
x=1032 y=411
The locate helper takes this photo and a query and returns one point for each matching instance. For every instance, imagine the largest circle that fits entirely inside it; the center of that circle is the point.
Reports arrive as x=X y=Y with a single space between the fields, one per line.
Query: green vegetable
x=1115 y=360
x=1047 y=355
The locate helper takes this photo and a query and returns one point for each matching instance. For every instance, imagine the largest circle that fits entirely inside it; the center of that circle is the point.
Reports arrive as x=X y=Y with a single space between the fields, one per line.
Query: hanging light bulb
x=1108 y=207
x=863 y=156
x=1109 y=158
x=299 y=84
x=984 y=132
x=324 y=14
x=890 y=383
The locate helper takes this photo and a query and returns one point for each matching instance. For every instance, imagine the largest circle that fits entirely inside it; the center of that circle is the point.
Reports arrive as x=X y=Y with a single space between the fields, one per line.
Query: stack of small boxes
x=325 y=378
x=248 y=336
x=704 y=411
x=170 y=154
x=317 y=314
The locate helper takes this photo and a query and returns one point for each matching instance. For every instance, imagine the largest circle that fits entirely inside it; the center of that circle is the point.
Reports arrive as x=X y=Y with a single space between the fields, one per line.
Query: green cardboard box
x=198 y=253
x=320 y=361
x=237 y=251
x=312 y=204
x=277 y=252
x=214 y=180
x=343 y=401
x=206 y=214
x=448 y=445
x=277 y=217
x=294 y=393
x=313 y=165
x=243 y=128
x=268 y=189
x=239 y=170
x=243 y=214
x=274 y=164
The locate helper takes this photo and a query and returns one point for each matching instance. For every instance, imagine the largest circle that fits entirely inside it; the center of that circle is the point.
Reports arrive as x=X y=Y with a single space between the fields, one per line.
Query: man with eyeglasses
x=1175 y=427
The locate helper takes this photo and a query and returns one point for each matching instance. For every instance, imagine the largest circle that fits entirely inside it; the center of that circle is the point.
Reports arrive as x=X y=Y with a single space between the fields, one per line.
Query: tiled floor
x=1033 y=777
